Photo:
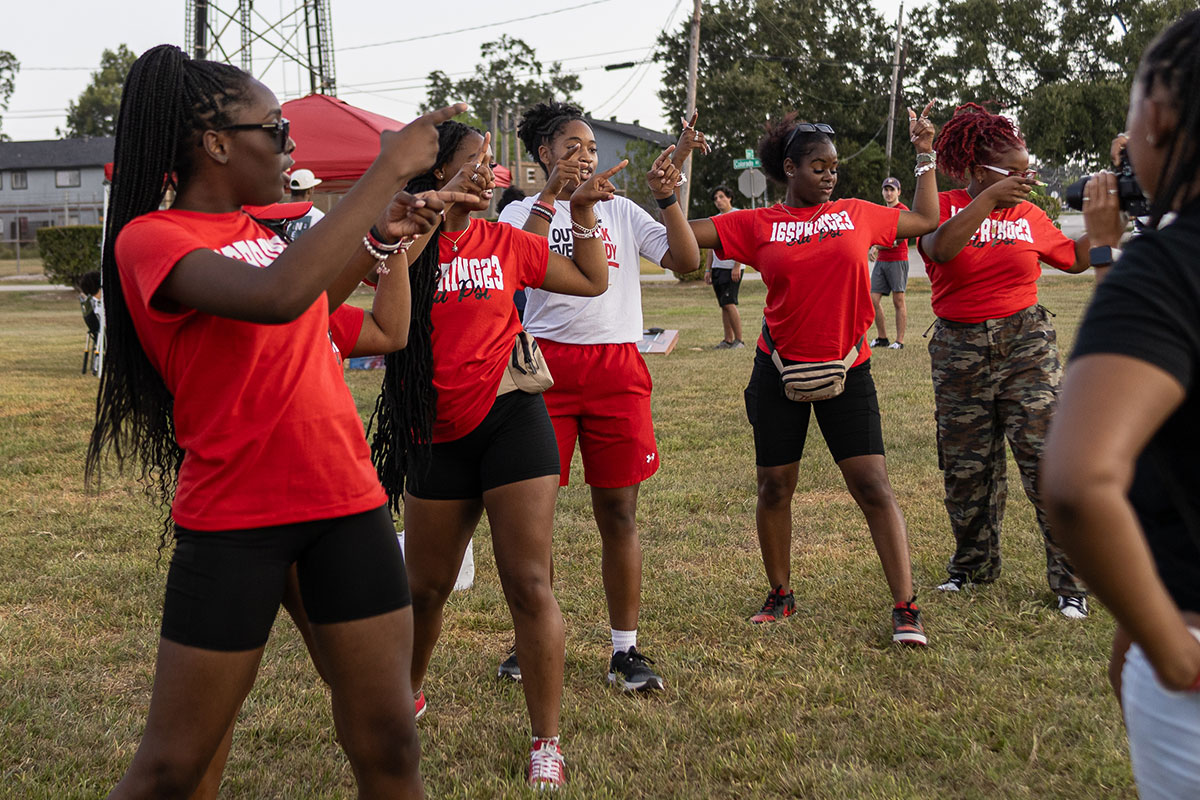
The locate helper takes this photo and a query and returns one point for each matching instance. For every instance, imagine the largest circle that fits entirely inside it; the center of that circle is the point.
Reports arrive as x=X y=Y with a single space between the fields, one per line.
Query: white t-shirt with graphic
x=615 y=317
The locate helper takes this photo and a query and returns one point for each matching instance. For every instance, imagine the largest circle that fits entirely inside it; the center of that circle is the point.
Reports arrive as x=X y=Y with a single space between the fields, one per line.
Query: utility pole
x=690 y=105
x=895 y=86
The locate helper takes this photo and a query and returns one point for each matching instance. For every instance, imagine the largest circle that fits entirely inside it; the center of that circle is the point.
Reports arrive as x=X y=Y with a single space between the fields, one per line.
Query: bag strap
x=778 y=361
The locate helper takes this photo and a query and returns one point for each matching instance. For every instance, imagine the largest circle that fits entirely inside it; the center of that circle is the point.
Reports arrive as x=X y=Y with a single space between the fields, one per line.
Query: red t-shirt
x=996 y=274
x=345 y=326
x=475 y=321
x=814 y=263
x=900 y=251
x=270 y=431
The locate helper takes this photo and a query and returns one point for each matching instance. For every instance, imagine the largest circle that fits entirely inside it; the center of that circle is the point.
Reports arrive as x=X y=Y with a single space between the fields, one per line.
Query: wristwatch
x=1103 y=256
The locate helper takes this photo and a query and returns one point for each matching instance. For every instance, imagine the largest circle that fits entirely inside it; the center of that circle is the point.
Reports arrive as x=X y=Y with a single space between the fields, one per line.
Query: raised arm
x=586 y=274
x=385 y=327
x=952 y=235
x=281 y=291
x=683 y=253
x=564 y=171
x=923 y=217
x=1111 y=406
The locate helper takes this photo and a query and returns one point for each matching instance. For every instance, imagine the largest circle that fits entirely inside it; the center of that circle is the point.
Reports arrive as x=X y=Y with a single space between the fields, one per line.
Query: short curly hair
x=974 y=136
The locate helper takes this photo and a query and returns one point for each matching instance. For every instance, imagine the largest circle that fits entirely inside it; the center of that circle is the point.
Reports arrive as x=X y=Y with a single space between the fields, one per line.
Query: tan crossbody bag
x=526 y=370
x=810 y=381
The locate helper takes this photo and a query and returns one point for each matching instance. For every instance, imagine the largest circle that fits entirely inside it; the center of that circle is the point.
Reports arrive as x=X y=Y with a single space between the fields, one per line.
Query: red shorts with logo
x=601 y=396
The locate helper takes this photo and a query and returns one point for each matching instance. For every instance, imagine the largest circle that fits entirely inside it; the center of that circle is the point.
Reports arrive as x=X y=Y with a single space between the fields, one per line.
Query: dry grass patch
x=1010 y=701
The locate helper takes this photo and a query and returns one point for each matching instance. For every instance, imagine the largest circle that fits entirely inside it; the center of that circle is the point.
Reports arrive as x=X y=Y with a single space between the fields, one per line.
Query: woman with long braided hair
x=487 y=446
x=1120 y=475
x=221 y=385
x=993 y=349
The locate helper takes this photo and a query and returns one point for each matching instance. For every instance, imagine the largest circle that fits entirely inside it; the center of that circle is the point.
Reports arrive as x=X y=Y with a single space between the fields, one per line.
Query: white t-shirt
x=723 y=263
x=300 y=225
x=615 y=317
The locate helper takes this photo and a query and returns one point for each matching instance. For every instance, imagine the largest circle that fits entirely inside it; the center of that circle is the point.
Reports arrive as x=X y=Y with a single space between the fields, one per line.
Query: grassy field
x=27 y=268
x=1009 y=701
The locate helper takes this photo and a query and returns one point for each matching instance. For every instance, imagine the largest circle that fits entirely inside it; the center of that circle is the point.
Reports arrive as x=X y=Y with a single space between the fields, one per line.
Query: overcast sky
x=59 y=43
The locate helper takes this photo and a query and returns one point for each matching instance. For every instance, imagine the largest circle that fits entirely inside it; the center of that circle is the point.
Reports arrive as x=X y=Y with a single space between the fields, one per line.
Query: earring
x=791 y=174
x=437 y=174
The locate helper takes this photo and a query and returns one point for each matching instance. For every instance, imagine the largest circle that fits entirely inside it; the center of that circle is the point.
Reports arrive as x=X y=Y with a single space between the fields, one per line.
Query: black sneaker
x=630 y=670
x=906 y=624
x=509 y=668
x=777 y=606
x=882 y=341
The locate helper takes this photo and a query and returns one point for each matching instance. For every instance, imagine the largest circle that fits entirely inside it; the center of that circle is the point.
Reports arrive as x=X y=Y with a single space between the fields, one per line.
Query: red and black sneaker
x=906 y=624
x=777 y=606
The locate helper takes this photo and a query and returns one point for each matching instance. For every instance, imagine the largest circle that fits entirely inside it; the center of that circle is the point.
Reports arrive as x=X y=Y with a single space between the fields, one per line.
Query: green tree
x=9 y=67
x=95 y=112
x=1062 y=69
x=510 y=74
x=827 y=61
x=632 y=180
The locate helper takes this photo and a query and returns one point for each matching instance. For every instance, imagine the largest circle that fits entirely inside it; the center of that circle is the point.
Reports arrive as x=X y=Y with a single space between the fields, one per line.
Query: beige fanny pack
x=810 y=381
x=526 y=370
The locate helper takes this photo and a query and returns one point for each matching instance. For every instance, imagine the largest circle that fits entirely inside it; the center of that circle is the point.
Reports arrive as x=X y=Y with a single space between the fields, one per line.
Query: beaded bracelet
x=927 y=158
x=923 y=168
x=580 y=232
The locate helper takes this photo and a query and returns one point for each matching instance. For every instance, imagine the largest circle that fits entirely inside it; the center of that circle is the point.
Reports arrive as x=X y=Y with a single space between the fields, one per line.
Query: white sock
x=623 y=640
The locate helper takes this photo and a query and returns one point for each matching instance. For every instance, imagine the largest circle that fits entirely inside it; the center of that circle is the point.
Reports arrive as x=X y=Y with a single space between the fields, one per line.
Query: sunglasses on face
x=807 y=127
x=1009 y=173
x=280 y=129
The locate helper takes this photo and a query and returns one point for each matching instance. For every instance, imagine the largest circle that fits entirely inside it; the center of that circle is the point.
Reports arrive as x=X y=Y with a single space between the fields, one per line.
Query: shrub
x=68 y=252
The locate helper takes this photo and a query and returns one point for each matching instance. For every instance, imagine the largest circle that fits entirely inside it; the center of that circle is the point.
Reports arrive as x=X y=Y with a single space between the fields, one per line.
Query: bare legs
x=197 y=694
x=522 y=521
x=621 y=553
x=866 y=478
x=901 y=315
x=731 y=321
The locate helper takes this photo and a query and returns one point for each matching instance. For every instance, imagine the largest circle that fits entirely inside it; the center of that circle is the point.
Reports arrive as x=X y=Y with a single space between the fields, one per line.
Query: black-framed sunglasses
x=807 y=127
x=280 y=129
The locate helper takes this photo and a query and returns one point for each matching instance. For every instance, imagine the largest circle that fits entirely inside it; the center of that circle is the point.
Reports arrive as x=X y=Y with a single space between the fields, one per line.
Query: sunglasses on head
x=807 y=127
x=280 y=129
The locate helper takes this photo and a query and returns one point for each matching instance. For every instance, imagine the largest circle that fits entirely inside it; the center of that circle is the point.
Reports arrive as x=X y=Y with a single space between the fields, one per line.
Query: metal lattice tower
x=229 y=29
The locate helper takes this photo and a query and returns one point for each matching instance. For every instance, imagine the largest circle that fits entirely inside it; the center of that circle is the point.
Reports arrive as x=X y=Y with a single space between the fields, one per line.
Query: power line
x=423 y=37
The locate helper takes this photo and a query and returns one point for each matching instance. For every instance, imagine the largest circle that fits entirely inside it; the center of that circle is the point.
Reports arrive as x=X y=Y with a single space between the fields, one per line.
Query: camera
x=1129 y=192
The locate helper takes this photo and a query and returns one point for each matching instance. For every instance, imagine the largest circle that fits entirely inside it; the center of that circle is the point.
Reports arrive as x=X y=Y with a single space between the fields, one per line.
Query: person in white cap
x=301 y=186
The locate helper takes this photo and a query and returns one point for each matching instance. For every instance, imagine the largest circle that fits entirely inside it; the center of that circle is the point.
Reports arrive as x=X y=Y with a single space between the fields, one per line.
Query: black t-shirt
x=1148 y=308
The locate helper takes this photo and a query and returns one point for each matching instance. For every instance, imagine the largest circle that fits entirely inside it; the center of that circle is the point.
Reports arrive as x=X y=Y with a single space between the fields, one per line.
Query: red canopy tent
x=338 y=141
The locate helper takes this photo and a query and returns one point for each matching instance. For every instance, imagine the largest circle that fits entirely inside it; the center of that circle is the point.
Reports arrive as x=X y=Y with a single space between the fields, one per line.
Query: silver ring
x=474 y=178
x=1112 y=191
x=1086 y=199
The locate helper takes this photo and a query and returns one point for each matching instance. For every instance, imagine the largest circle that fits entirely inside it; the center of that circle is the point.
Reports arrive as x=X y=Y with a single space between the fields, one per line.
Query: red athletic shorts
x=601 y=396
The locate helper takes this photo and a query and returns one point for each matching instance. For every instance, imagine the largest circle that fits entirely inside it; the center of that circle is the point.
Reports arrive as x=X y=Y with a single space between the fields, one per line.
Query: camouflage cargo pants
x=993 y=381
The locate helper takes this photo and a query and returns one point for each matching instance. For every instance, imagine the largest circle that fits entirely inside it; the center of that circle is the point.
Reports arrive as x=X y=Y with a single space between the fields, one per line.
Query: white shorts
x=1164 y=732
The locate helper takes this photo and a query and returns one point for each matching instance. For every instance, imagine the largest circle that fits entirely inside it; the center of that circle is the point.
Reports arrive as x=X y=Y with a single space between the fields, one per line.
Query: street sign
x=749 y=152
x=752 y=183
x=746 y=163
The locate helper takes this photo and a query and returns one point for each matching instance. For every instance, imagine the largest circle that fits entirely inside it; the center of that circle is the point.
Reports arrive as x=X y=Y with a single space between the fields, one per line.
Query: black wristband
x=379 y=237
x=667 y=202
